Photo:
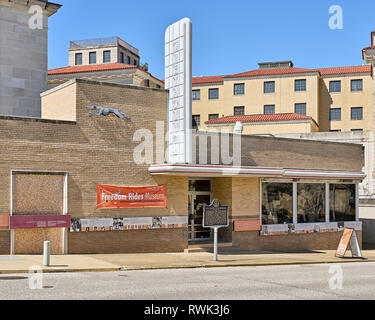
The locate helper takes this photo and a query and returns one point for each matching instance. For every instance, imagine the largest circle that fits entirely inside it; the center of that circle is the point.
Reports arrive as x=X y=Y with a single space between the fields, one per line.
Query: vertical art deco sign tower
x=178 y=79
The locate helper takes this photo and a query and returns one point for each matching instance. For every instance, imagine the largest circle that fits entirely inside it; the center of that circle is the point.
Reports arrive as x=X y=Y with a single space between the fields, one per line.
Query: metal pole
x=215 y=242
x=46 y=253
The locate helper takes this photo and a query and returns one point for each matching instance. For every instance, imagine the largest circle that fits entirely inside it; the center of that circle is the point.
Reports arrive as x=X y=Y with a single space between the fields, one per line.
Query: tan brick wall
x=241 y=195
x=95 y=150
x=301 y=154
x=292 y=153
x=4 y=242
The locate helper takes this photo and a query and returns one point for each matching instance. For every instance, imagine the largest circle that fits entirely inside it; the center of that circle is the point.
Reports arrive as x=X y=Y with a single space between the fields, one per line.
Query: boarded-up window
x=38 y=194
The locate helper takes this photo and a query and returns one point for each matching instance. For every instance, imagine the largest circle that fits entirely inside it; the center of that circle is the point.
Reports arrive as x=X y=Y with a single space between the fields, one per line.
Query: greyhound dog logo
x=102 y=111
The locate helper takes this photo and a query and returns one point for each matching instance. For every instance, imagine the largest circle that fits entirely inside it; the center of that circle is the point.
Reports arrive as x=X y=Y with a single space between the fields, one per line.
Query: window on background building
x=335 y=86
x=213 y=116
x=335 y=114
x=122 y=57
x=78 y=59
x=128 y=60
x=239 y=111
x=196 y=120
x=311 y=202
x=135 y=62
x=239 y=89
x=357 y=113
x=213 y=94
x=269 y=109
x=147 y=83
x=269 y=87
x=300 y=108
x=92 y=57
x=334 y=130
x=356 y=130
x=342 y=202
x=357 y=85
x=107 y=56
x=196 y=95
x=277 y=203
x=300 y=85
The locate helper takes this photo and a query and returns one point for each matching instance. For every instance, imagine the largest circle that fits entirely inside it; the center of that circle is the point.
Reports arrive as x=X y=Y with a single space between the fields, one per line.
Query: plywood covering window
x=38 y=194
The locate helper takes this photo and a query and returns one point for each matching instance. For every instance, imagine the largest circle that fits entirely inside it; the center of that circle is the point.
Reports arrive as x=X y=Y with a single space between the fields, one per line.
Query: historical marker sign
x=178 y=79
x=215 y=215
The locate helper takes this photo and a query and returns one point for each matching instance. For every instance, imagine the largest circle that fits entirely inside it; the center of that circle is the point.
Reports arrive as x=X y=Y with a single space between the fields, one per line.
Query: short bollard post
x=46 y=253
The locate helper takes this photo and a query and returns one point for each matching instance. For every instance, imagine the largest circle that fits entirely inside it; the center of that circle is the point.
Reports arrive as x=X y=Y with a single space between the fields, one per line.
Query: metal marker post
x=216 y=229
x=46 y=253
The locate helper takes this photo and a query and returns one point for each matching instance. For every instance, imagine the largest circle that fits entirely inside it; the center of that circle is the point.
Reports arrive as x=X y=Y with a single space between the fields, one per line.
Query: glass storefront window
x=342 y=202
x=311 y=202
x=277 y=203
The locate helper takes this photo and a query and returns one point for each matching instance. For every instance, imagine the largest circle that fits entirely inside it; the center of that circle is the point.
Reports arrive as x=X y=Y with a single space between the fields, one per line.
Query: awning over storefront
x=231 y=171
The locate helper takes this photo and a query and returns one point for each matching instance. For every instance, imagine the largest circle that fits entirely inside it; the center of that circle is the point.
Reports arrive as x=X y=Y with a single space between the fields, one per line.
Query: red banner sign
x=39 y=222
x=110 y=197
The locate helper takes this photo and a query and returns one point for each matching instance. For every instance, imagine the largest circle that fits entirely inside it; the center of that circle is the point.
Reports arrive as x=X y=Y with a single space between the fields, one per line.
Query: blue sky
x=228 y=36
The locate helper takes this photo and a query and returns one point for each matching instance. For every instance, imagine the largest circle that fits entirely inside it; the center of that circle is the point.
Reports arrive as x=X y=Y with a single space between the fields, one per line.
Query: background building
x=332 y=99
x=23 y=58
x=106 y=59
x=326 y=104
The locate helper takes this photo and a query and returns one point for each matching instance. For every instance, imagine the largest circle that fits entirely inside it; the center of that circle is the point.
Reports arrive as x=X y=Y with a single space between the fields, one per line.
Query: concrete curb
x=63 y=270
x=265 y=264
x=200 y=266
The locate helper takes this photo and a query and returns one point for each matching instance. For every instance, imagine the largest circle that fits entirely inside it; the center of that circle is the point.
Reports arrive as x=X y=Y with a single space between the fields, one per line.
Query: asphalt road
x=324 y=281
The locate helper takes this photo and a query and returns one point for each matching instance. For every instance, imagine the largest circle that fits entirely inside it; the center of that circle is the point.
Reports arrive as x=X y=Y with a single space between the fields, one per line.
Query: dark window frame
x=269 y=106
x=194 y=97
x=298 y=105
x=107 y=55
x=354 y=85
x=240 y=92
x=210 y=96
x=241 y=113
x=333 y=114
x=81 y=59
x=196 y=121
x=300 y=85
x=355 y=115
x=91 y=55
x=269 y=87
x=213 y=116
x=335 y=86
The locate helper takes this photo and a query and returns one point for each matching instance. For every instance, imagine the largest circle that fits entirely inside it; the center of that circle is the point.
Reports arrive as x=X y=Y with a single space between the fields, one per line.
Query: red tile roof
x=213 y=79
x=282 y=71
x=91 y=68
x=345 y=70
x=271 y=72
x=261 y=118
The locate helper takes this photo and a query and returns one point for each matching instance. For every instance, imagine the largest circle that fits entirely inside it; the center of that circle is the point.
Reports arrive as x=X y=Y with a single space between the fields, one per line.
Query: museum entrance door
x=200 y=194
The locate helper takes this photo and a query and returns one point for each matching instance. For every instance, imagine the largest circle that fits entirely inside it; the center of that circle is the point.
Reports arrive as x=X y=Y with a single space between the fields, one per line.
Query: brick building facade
x=83 y=152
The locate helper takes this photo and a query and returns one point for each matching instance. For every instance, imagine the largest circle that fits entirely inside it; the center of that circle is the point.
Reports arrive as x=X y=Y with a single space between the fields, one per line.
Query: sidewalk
x=116 y=262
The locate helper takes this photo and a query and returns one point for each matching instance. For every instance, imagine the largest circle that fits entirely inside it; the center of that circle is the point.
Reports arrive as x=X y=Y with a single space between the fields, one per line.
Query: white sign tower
x=178 y=79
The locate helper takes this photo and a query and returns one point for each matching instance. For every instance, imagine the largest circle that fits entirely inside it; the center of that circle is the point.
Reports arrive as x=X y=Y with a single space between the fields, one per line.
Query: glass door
x=199 y=195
